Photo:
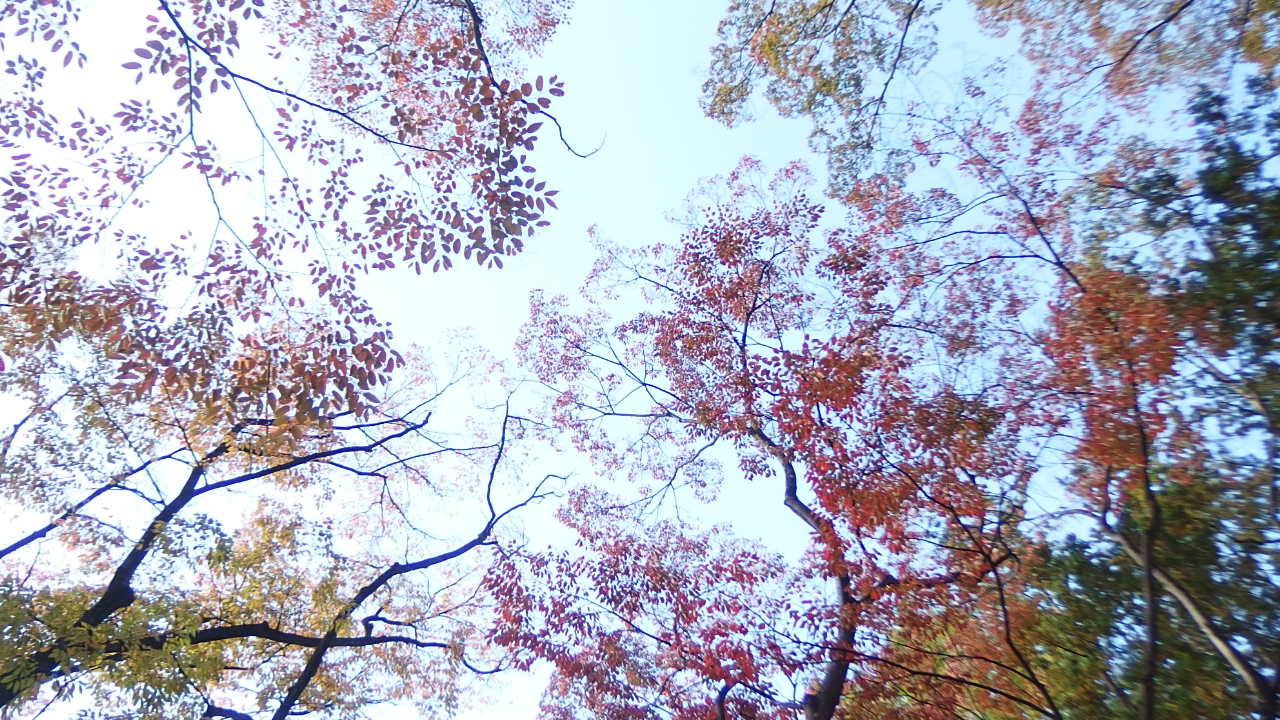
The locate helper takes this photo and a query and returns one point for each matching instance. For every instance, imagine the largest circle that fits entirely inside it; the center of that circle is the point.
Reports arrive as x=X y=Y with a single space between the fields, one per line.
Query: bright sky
x=633 y=73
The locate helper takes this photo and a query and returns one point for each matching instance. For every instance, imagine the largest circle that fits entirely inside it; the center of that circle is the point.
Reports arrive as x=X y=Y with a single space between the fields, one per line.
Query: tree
x=805 y=353
x=832 y=62
x=456 y=187
x=1084 y=311
x=1163 y=297
x=1136 y=50
x=229 y=479
x=1208 y=220
x=851 y=67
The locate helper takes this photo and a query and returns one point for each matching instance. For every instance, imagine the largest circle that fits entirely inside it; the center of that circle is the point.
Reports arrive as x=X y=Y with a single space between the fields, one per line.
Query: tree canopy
x=1081 y=305
x=231 y=473
x=1002 y=379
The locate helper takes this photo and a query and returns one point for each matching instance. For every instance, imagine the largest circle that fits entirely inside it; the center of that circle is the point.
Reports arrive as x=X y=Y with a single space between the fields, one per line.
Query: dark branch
x=192 y=42
x=214 y=711
x=477 y=25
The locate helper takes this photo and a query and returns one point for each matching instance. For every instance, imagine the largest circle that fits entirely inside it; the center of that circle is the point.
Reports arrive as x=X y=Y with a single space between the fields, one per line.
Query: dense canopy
x=975 y=414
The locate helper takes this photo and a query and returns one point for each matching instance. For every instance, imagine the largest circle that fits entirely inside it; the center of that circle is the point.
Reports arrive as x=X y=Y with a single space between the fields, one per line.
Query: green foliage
x=1232 y=205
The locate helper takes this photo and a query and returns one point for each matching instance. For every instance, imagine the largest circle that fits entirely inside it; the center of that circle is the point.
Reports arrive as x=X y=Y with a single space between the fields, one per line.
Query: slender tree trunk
x=1151 y=617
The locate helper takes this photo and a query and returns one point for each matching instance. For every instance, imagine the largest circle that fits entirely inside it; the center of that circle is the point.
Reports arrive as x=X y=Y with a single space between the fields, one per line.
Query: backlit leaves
x=220 y=471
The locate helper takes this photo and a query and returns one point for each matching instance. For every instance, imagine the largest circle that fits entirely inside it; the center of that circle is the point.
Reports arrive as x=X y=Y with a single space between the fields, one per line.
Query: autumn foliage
x=983 y=423
x=403 y=149
x=946 y=387
x=223 y=461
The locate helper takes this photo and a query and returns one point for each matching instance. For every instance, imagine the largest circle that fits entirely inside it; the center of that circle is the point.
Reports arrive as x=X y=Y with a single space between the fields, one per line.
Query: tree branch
x=477 y=23
x=192 y=42
x=1254 y=680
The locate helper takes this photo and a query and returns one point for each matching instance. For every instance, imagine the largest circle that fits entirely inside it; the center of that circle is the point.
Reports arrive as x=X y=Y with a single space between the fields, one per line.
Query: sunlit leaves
x=405 y=145
x=833 y=62
x=815 y=355
x=220 y=473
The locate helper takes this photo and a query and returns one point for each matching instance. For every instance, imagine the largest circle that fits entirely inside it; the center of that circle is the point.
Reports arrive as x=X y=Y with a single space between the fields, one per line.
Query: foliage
x=1012 y=392
x=423 y=190
x=802 y=350
x=1078 y=314
x=229 y=478
x=1138 y=50
x=853 y=68
x=832 y=62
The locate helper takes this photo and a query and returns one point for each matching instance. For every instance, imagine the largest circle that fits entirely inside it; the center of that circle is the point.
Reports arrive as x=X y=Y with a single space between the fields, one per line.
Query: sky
x=633 y=73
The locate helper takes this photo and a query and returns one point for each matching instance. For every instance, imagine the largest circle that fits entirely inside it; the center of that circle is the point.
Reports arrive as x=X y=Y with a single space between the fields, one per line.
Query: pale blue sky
x=633 y=72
